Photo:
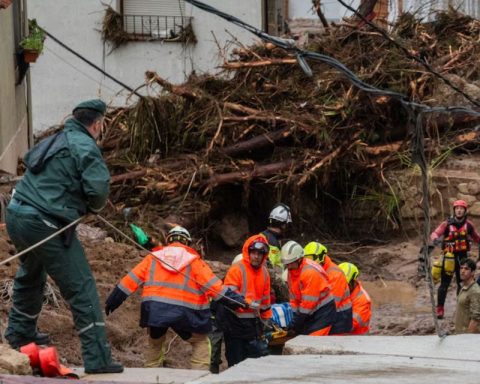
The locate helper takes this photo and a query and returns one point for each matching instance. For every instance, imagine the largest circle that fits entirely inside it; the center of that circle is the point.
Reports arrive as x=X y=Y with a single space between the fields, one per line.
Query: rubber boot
x=19 y=341
x=155 y=352
x=112 y=367
x=440 y=312
x=200 y=351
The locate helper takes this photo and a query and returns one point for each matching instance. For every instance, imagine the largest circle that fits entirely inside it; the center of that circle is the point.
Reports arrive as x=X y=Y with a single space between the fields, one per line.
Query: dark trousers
x=237 y=350
x=69 y=268
x=216 y=338
x=447 y=279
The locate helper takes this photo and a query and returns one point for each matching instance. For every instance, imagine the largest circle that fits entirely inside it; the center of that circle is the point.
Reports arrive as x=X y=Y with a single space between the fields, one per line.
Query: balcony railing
x=149 y=27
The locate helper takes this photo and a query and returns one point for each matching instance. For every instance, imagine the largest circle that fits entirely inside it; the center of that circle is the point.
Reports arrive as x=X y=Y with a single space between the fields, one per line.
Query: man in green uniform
x=66 y=177
x=467 y=317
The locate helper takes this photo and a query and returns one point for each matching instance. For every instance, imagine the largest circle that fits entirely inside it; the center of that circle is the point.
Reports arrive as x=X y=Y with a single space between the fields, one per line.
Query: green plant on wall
x=35 y=38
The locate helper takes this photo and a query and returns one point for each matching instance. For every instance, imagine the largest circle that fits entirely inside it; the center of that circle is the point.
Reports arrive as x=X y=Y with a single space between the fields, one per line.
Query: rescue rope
x=32 y=247
x=167 y=264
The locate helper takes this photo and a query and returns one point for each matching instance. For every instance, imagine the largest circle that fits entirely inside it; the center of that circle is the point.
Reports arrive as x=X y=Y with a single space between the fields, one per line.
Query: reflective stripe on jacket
x=339 y=284
x=309 y=287
x=190 y=289
x=362 y=310
x=253 y=284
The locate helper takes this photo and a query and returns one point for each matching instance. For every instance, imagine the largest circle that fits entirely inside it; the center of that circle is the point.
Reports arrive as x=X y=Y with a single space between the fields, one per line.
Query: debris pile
x=182 y=151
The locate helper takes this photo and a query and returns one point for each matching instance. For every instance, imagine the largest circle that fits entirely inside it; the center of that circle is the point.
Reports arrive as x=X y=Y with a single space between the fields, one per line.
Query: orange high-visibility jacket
x=309 y=287
x=253 y=284
x=362 y=310
x=338 y=281
x=164 y=284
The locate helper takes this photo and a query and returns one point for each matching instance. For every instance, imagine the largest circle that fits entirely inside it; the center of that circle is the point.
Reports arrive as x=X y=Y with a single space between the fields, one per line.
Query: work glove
x=238 y=303
x=252 y=305
x=116 y=298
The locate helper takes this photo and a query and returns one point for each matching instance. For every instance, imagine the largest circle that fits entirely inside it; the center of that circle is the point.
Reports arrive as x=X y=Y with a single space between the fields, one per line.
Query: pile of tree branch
x=264 y=119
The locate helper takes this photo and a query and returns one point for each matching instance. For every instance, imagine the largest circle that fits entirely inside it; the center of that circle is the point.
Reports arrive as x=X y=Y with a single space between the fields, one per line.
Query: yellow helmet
x=315 y=251
x=350 y=270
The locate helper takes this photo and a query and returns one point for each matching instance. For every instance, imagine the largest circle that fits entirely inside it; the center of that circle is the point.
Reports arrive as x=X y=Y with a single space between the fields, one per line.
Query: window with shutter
x=155 y=19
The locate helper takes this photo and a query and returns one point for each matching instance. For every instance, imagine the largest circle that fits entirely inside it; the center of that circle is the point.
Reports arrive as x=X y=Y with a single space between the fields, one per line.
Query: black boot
x=113 y=367
x=17 y=341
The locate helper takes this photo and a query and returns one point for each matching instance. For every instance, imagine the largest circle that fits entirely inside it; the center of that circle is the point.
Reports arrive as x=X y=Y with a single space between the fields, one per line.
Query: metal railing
x=150 y=27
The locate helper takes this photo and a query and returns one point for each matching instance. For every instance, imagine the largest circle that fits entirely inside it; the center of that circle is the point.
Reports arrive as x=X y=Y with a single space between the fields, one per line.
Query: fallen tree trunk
x=261 y=63
x=256 y=172
x=257 y=143
x=128 y=176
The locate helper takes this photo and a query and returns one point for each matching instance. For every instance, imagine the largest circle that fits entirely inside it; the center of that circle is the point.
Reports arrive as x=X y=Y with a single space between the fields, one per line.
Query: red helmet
x=460 y=203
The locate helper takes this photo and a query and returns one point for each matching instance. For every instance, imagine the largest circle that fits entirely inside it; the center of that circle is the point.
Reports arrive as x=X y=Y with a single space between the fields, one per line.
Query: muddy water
x=398 y=293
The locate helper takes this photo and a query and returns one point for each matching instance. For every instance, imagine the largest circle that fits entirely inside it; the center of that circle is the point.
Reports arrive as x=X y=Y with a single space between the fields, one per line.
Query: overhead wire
x=414 y=109
x=105 y=73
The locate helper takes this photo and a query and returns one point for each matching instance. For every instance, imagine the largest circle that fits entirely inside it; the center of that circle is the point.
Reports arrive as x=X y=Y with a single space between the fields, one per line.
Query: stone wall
x=400 y=202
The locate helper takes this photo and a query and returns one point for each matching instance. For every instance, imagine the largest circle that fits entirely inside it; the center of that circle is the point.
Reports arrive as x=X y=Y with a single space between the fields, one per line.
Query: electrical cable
x=423 y=63
x=63 y=45
x=289 y=45
x=80 y=71
x=414 y=110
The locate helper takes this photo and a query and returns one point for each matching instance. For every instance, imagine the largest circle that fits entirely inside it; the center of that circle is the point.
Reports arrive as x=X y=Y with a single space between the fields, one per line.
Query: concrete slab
x=146 y=376
x=455 y=347
x=346 y=370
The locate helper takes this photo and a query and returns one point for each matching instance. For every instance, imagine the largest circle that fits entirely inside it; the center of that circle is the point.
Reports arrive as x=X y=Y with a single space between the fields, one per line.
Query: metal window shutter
x=154 y=7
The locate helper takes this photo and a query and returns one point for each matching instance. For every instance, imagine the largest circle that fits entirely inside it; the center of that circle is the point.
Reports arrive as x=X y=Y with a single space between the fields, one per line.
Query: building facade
x=156 y=43
x=15 y=132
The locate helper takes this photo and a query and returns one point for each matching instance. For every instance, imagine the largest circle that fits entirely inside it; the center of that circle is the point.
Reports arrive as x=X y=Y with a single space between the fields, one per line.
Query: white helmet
x=237 y=258
x=291 y=251
x=180 y=234
x=281 y=213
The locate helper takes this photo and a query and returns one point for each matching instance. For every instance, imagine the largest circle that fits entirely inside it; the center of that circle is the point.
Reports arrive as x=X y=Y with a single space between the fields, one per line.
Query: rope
x=167 y=264
x=32 y=247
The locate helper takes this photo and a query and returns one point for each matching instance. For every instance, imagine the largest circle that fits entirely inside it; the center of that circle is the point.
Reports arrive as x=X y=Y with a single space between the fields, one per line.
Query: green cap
x=94 y=104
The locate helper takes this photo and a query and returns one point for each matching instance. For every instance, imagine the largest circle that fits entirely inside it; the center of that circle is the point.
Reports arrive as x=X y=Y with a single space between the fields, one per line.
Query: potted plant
x=33 y=44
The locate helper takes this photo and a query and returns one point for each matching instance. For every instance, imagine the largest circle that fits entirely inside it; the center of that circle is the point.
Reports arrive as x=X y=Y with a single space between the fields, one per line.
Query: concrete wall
x=13 y=99
x=60 y=80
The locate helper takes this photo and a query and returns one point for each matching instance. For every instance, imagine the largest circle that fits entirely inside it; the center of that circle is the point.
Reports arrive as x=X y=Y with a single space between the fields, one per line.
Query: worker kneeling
x=339 y=286
x=177 y=285
x=311 y=298
x=361 y=302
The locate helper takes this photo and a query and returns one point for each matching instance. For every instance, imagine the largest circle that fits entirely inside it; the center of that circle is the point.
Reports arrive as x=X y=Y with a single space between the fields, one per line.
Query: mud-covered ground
x=401 y=302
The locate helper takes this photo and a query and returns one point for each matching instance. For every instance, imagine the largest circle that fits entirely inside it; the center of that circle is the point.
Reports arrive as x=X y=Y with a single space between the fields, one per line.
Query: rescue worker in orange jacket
x=340 y=290
x=454 y=235
x=177 y=285
x=361 y=302
x=310 y=293
x=243 y=328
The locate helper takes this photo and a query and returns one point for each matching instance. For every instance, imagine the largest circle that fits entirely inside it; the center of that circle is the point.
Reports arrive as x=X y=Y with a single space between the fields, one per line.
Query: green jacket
x=73 y=178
